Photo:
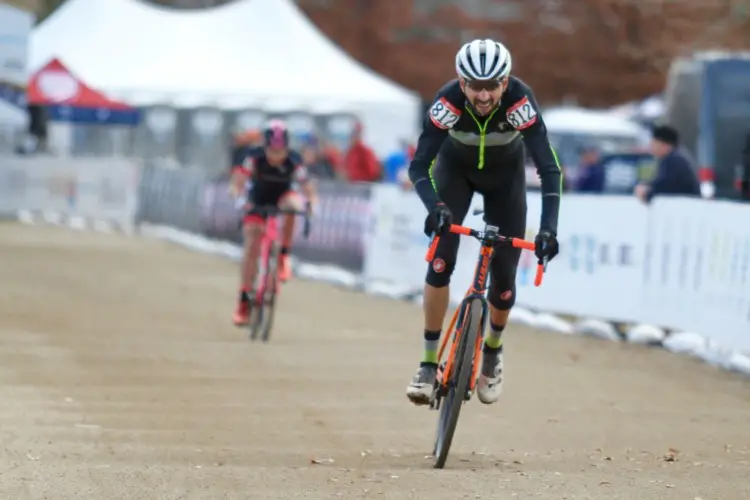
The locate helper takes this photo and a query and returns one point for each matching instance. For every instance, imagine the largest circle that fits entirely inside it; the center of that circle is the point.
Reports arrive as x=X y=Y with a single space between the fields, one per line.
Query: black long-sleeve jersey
x=451 y=123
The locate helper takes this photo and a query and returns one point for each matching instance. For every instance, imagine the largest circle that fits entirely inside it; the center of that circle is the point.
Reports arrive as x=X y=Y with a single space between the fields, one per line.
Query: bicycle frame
x=489 y=239
x=269 y=237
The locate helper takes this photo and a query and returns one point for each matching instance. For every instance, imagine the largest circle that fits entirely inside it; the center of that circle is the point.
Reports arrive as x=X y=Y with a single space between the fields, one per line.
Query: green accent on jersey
x=482 y=134
x=432 y=178
x=557 y=162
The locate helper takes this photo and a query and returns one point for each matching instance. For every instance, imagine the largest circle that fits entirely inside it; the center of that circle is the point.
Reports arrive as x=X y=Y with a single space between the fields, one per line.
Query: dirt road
x=121 y=378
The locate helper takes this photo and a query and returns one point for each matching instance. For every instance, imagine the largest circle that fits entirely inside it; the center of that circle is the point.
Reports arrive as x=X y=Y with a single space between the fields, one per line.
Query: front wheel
x=258 y=312
x=458 y=385
x=269 y=295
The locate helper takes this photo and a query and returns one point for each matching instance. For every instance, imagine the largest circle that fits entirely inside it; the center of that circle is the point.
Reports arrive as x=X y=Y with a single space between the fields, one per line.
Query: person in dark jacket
x=591 y=172
x=675 y=172
x=744 y=178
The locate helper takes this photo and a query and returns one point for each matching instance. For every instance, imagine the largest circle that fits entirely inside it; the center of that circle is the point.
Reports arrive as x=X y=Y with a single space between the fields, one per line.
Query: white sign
x=677 y=263
x=15 y=30
x=598 y=271
x=697 y=271
x=396 y=242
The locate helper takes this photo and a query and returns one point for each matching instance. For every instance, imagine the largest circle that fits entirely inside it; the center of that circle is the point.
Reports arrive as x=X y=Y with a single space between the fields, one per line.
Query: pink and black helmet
x=276 y=135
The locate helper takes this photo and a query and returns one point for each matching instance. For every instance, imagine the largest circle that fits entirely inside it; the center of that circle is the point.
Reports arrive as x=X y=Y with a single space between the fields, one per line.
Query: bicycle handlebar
x=497 y=240
x=273 y=210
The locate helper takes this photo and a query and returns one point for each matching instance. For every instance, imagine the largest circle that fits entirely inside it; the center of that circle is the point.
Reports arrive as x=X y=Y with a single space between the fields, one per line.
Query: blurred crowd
x=356 y=162
x=674 y=171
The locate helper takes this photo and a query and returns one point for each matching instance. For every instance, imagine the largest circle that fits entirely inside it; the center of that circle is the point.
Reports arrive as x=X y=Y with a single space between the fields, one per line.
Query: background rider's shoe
x=241 y=314
x=285 y=269
x=422 y=384
x=490 y=384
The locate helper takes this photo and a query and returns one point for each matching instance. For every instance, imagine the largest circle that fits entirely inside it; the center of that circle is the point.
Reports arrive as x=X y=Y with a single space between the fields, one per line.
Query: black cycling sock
x=244 y=296
x=284 y=250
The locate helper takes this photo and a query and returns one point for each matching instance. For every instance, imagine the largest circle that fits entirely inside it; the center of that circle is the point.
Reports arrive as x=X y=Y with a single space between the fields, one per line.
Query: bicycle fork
x=447 y=369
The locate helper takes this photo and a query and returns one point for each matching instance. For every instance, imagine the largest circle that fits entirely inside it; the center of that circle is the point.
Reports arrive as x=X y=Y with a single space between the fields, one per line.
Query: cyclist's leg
x=505 y=207
x=290 y=200
x=456 y=192
x=252 y=231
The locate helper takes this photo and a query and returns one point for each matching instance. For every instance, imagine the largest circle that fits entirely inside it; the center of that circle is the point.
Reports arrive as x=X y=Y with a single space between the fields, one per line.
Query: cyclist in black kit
x=273 y=170
x=473 y=141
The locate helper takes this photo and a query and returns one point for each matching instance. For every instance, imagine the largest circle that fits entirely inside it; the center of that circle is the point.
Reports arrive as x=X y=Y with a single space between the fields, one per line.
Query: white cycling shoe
x=421 y=386
x=490 y=383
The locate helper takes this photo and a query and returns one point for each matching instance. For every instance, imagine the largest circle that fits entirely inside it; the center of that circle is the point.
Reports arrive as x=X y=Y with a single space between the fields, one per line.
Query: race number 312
x=443 y=114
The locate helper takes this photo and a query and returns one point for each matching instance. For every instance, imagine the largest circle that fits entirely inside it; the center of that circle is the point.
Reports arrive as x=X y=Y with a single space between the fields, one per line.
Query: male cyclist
x=272 y=170
x=473 y=140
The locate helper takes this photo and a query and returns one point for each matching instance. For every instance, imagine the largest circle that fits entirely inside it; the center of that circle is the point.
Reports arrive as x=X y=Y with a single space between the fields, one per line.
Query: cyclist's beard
x=483 y=107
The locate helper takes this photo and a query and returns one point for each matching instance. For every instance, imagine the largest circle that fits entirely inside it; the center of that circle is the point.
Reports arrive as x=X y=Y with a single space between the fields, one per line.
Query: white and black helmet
x=483 y=60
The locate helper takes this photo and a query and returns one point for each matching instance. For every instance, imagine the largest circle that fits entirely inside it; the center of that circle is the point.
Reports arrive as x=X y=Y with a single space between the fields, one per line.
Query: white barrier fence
x=80 y=188
x=678 y=263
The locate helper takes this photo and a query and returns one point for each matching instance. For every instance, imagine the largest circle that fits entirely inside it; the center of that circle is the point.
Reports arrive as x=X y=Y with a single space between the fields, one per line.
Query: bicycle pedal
x=435 y=402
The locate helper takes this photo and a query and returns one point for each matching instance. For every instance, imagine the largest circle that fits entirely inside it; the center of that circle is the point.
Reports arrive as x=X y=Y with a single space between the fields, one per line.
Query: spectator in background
x=591 y=172
x=744 y=177
x=360 y=162
x=316 y=164
x=397 y=161
x=244 y=143
x=675 y=172
x=330 y=154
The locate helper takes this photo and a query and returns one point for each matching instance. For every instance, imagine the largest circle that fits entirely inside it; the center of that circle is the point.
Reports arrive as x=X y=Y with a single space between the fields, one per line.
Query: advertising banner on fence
x=697 y=270
x=396 y=243
x=338 y=227
x=15 y=32
x=597 y=273
x=598 y=270
x=338 y=224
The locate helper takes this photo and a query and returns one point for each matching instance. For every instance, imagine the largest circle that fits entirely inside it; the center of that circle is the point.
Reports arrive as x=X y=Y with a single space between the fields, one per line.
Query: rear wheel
x=256 y=317
x=269 y=296
x=257 y=311
x=458 y=386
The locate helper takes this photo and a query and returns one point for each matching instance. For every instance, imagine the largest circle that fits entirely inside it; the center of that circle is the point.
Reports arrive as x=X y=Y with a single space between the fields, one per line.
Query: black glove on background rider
x=546 y=245
x=438 y=221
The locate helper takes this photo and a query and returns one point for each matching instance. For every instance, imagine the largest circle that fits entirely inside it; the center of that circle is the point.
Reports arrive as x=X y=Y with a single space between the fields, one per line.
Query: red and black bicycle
x=458 y=372
x=263 y=303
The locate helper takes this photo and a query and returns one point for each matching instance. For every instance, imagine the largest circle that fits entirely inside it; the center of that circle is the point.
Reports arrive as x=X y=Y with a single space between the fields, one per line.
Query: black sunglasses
x=480 y=85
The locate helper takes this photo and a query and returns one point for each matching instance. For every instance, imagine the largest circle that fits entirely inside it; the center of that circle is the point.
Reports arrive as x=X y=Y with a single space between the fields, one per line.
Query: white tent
x=246 y=53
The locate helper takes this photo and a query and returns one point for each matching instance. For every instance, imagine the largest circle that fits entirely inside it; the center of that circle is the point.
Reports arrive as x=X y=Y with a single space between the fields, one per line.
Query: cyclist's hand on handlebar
x=438 y=221
x=546 y=245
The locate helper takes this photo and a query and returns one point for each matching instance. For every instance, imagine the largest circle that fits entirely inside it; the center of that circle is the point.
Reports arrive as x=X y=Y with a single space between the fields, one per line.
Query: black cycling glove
x=546 y=245
x=438 y=221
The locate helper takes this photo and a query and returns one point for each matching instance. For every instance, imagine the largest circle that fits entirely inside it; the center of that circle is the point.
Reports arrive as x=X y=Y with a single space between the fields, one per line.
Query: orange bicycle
x=458 y=373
